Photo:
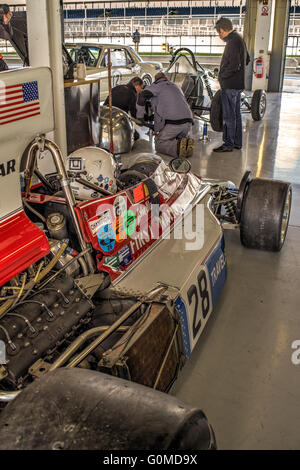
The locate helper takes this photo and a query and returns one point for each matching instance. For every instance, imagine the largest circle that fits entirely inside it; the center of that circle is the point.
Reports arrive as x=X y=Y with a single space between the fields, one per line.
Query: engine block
x=40 y=324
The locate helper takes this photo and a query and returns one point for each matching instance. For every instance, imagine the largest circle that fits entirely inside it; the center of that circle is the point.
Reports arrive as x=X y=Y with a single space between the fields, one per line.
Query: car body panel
x=126 y=63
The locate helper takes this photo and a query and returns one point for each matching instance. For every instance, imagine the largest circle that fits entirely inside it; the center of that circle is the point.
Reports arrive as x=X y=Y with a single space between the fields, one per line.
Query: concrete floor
x=241 y=373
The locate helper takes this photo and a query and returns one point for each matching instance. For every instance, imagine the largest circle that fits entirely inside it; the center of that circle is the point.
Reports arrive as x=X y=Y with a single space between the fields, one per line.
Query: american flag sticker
x=18 y=102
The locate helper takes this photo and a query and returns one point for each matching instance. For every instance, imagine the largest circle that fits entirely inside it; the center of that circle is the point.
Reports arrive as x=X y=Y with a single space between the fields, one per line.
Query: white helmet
x=95 y=165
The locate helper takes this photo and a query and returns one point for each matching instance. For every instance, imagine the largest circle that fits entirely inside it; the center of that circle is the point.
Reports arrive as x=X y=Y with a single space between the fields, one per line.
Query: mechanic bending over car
x=232 y=82
x=125 y=97
x=173 y=118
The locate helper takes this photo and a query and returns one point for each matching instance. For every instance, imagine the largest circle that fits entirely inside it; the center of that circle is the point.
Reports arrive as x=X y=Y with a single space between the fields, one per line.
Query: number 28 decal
x=198 y=294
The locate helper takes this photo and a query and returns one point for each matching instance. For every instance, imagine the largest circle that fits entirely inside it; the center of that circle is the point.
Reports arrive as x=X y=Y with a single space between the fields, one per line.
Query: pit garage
x=148 y=302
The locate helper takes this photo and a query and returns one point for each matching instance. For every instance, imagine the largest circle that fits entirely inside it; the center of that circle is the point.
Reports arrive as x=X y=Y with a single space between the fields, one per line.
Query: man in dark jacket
x=173 y=118
x=6 y=31
x=232 y=82
x=125 y=96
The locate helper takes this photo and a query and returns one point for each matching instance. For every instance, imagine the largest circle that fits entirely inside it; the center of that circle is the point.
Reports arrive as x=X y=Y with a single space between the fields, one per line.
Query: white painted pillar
x=45 y=49
x=263 y=33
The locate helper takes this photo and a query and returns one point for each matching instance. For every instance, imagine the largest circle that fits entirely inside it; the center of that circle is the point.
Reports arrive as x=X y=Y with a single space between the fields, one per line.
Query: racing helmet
x=96 y=166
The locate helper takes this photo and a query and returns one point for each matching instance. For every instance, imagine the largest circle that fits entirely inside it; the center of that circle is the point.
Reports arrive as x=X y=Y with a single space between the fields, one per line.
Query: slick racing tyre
x=258 y=105
x=146 y=167
x=216 y=114
x=108 y=413
x=131 y=178
x=242 y=190
x=265 y=214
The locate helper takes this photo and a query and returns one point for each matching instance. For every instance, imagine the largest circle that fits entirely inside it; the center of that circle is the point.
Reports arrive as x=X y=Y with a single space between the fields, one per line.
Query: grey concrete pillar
x=249 y=37
x=45 y=49
x=280 y=37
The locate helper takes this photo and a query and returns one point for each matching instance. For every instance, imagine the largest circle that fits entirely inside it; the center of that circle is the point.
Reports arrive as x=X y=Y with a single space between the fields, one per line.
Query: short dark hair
x=159 y=75
x=224 y=23
x=135 y=81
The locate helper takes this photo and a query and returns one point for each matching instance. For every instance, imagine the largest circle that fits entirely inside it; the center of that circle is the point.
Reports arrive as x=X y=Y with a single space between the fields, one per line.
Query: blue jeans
x=232 y=118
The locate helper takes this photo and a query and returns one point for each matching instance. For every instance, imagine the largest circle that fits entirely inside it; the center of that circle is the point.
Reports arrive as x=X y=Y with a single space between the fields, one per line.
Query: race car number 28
x=198 y=301
x=198 y=295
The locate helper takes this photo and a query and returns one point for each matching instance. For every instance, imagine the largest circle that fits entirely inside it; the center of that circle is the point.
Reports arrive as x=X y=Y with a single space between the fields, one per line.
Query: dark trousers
x=232 y=118
x=167 y=140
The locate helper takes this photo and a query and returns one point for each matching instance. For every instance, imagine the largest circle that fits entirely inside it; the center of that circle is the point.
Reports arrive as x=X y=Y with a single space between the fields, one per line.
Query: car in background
x=126 y=63
x=202 y=90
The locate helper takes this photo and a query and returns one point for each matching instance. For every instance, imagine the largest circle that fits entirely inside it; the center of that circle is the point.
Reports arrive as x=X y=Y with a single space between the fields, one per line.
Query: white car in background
x=126 y=63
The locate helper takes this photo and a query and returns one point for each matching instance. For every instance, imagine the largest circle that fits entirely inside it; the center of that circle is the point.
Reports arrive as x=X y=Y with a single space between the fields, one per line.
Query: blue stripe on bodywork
x=217 y=268
x=181 y=309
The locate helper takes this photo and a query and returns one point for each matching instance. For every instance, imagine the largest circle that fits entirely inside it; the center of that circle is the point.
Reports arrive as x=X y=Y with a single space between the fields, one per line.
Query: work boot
x=190 y=147
x=181 y=147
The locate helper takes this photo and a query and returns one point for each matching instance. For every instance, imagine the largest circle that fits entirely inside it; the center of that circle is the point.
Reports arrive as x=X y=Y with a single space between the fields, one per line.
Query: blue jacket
x=168 y=103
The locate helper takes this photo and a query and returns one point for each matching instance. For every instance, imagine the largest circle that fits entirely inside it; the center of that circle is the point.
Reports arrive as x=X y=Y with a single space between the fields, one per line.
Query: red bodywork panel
x=21 y=244
x=93 y=215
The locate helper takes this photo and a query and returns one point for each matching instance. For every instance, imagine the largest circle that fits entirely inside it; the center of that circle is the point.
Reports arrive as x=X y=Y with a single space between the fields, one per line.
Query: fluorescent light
x=270 y=45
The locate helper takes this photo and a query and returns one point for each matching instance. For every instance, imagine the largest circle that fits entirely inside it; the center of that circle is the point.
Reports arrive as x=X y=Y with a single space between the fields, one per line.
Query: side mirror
x=216 y=71
x=180 y=165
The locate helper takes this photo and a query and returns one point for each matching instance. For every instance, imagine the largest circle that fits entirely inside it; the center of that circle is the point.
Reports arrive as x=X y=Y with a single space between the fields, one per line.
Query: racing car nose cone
x=123 y=132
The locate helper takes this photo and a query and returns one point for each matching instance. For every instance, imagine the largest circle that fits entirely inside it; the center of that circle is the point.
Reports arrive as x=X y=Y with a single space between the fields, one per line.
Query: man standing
x=232 y=82
x=173 y=118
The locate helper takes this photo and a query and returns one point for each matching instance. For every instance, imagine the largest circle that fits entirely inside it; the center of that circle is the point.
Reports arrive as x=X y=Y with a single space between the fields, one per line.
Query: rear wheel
x=258 y=105
x=216 y=114
x=265 y=214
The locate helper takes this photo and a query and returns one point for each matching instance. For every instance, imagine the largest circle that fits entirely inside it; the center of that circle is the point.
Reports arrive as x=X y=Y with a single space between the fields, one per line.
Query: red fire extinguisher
x=259 y=67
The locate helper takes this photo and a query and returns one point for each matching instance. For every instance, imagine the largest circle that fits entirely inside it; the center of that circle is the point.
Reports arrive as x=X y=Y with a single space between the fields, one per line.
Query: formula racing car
x=201 y=89
x=107 y=280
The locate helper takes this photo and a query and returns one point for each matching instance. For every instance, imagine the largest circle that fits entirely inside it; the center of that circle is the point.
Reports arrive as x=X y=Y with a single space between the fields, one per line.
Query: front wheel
x=258 y=105
x=265 y=214
x=147 y=79
x=130 y=178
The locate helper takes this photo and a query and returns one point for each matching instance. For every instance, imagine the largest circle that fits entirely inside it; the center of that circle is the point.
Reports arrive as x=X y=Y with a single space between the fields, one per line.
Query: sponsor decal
x=112 y=262
x=106 y=238
x=7 y=167
x=103 y=219
x=19 y=102
x=124 y=255
x=119 y=229
x=216 y=265
x=129 y=223
x=120 y=206
x=138 y=193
